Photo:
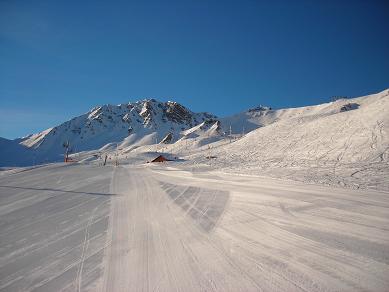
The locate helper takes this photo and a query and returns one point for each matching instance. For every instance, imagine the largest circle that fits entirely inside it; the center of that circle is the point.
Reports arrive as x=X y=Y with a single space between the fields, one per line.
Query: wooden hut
x=160 y=158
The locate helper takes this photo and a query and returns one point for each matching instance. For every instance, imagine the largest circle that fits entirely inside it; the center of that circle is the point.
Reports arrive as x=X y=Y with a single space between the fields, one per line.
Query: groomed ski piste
x=300 y=203
x=80 y=227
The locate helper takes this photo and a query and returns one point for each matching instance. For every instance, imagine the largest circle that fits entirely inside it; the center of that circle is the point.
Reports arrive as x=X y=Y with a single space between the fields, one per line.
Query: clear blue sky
x=60 y=58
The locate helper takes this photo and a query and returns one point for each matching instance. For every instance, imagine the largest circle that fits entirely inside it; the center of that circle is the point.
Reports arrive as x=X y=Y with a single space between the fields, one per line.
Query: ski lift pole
x=117 y=155
x=66 y=146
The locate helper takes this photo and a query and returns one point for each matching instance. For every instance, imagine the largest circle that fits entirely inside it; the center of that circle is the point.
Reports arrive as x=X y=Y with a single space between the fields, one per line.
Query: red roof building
x=160 y=158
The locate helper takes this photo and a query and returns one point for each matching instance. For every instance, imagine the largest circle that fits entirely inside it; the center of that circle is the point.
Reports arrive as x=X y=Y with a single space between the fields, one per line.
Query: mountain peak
x=113 y=123
x=259 y=108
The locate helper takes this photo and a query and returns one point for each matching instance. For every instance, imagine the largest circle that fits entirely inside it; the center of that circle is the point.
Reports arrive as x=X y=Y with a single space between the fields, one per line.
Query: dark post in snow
x=66 y=146
x=117 y=155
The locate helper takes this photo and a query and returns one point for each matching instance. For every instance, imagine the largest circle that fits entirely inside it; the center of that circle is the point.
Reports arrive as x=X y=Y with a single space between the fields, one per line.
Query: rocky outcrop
x=147 y=112
x=349 y=107
x=260 y=108
x=178 y=113
x=167 y=139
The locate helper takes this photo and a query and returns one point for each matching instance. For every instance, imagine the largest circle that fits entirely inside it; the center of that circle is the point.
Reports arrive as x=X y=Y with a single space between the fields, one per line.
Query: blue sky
x=58 y=59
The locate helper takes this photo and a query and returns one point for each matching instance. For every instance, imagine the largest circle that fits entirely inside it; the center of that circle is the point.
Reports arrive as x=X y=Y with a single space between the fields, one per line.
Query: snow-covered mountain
x=12 y=153
x=128 y=126
x=139 y=123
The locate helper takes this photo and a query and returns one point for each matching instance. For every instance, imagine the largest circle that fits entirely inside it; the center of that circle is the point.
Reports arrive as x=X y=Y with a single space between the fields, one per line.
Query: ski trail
x=85 y=247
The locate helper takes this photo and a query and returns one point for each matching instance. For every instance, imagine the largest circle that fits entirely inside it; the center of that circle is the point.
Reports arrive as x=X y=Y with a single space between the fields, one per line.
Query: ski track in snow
x=157 y=228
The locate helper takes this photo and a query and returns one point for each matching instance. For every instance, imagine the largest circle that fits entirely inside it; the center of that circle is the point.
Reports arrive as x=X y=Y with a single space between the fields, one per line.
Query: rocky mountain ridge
x=148 y=120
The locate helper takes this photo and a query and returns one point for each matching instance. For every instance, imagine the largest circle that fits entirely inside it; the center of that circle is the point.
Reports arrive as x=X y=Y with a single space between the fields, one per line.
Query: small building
x=160 y=158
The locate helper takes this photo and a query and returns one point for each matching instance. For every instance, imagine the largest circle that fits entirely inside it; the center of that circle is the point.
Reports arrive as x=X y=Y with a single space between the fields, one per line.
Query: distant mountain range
x=140 y=123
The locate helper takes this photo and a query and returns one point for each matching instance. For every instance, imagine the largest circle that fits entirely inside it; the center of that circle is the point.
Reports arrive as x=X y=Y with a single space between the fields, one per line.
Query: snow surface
x=154 y=227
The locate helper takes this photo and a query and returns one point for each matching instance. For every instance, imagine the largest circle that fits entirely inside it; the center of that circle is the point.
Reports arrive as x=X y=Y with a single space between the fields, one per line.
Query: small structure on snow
x=160 y=158
x=349 y=107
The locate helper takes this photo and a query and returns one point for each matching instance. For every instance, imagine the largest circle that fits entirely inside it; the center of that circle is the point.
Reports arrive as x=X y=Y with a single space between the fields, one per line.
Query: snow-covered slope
x=344 y=142
x=154 y=228
x=14 y=154
x=249 y=120
x=210 y=127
